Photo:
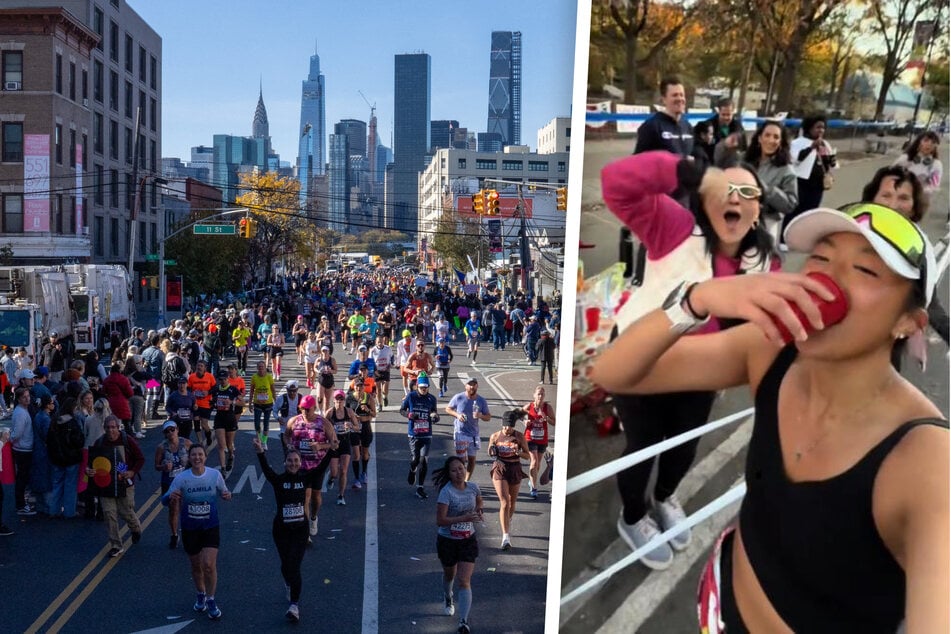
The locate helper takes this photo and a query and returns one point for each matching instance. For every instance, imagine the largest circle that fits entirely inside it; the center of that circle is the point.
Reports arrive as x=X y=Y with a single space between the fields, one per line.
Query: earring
x=900 y=336
x=756 y=223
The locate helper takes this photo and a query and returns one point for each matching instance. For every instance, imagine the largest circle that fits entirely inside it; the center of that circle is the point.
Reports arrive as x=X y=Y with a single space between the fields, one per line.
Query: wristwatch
x=678 y=310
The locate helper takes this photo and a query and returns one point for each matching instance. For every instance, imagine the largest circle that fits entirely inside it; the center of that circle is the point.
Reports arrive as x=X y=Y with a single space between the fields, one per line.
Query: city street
x=636 y=600
x=372 y=567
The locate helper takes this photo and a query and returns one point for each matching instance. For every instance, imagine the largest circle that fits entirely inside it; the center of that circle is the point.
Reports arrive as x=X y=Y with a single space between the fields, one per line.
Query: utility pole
x=133 y=214
x=524 y=252
x=936 y=24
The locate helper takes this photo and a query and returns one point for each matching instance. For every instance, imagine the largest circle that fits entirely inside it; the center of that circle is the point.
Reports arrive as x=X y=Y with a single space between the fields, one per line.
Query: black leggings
x=291 y=545
x=550 y=365
x=443 y=378
x=647 y=420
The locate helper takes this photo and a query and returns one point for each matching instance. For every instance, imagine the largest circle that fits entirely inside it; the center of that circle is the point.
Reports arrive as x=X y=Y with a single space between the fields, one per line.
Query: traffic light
x=492 y=203
x=478 y=202
x=561 y=199
x=252 y=227
x=244 y=228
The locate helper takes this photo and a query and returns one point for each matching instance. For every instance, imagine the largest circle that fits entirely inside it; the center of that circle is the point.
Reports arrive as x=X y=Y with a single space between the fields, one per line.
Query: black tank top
x=813 y=545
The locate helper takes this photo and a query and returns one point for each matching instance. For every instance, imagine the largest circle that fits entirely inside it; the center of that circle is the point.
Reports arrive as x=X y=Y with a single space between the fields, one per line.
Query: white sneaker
x=450 y=608
x=313 y=526
x=140 y=434
x=636 y=535
x=293 y=613
x=670 y=513
x=506 y=542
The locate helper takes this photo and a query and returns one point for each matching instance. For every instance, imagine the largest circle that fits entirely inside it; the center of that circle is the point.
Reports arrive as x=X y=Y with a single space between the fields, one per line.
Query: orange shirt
x=238 y=382
x=369 y=383
x=201 y=388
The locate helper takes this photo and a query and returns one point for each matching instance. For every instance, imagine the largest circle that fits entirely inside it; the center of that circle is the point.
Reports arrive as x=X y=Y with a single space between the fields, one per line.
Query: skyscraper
x=313 y=130
x=259 y=126
x=339 y=181
x=441 y=132
x=412 y=82
x=505 y=87
x=356 y=132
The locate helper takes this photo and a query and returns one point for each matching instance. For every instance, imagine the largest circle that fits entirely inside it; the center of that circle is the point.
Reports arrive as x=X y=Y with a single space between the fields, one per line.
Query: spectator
x=667 y=130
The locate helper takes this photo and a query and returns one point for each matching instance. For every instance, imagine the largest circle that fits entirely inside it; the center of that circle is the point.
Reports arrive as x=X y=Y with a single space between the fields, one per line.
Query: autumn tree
x=894 y=22
x=457 y=238
x=282 y=228
x=208 y=263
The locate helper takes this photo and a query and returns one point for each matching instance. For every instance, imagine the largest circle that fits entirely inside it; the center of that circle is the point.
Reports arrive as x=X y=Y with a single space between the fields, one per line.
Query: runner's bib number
x=421 y=426
x=538 y=433
x=293 y=512
x=184 y=414
x=199 y=510
x=262 y=397
x=461 y=530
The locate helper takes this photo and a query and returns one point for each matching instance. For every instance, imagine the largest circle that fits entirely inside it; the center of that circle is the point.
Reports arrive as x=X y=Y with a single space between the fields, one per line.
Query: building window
x=154 y=233
x=98 y=238
x=567 y=133
x=97 y=25
x=12 y=143
x=142 y=64
x=71 y=221
x=114 y=90
x=128 y=145
x=97 y=133
x=129 y=191
x=97 y=184
x=72 y=82
x=58 y=73
x=129 y=48
x=152 y=156
x=512 y=166
x=85 y=87
x=114 y=140
x=143 y=238
x=114 y=41
x=485 y=164
x=153 y=114
x=113 y=188
x=128 y=99
x=57 y=214
x=97 y=81
x=85 y=151
x=72 y=148
x=462 y=163
x=154 y=195
x=13 y=66
x=13 y=213
x=153 y=72
x=114 y=236
x=142 y=111
x=562 y=166
x=538 y=166
x=141 y=141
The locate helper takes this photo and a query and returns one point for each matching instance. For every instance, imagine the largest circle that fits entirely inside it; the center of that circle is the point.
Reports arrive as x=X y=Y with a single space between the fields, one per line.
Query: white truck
x=43 y=293
x=20 y=326
x=101 y=305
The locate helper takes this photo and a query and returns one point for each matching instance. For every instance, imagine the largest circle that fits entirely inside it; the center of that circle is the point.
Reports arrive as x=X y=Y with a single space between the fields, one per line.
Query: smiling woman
x=718 y=236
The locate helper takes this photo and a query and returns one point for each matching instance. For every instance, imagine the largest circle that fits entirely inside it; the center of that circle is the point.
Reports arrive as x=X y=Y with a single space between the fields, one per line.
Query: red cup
x=832 y=312
x=592 y=317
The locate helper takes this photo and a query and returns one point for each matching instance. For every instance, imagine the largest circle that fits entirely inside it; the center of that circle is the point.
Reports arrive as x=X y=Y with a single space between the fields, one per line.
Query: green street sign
x=151 y=257
x=215 y=230
x=171 y=262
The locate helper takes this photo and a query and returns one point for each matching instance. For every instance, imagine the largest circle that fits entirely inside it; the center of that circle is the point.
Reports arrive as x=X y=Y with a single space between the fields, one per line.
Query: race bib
x=200 y=510
x=184 y=414
x=340 y=427
x=200 y=393
x=461 y=530
x=421 y=426
x=175 y=471
x=538 y=433
x=305 y=447
x=293 y=512
x=262 y=397
x=222 y=403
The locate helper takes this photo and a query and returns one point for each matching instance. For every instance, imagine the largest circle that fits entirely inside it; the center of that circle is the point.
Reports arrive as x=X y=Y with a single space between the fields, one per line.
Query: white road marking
x=167 y=629
x=250 y=475
x=371 y=556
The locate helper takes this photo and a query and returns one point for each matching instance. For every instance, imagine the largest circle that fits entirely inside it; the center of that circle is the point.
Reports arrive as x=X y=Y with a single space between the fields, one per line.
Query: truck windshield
x=81 y=306
x=15 y=328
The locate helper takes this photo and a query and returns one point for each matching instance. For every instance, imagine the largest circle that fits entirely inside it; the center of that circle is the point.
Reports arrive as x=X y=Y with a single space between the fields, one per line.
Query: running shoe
x=421 y=493
x=363 y=477
x=386 y=401
x=293 y=613
x=450 y=608
x=229 y=461
x=5 y=531
x=506 y=542
x=638 y=534
x=27 y=510
x=534 y=493
x=136 y=537
x=330 y=482
x=356 y=485
x=173 y=542
x=140 y=435
x=313 y=526
x=214 y=612
x=341 y=501
x=411 y=477
x=463 y=627
x=200 y=604
x=115 y=551
x=670 y=513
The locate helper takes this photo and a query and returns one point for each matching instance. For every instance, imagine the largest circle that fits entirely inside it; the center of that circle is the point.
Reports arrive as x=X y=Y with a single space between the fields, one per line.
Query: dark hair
x=702 y=127
x=670 y=80
x=511 y=417
x=912 y=151
x=441 y=475
x=919 y=201
x=755 y=152
x=68 y=406
x=810 y=121
x=724 y=101
x=756 y=238
x=45 y=400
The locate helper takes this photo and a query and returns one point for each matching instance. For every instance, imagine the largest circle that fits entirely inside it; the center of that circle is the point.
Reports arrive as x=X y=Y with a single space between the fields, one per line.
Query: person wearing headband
x=847 y=468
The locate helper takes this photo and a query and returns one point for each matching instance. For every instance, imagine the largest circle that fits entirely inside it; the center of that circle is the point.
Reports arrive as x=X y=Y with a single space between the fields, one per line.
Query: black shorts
x=226 y=421
x=194 y=540
x=366 y=434
x=277 y=351
x=326 y=381
x=452 y=551
x=203 y=412
x=382 y=376
x=184 y=428
x=299 y=340
x=344 y=448
x=356 y=438
x=537 y=446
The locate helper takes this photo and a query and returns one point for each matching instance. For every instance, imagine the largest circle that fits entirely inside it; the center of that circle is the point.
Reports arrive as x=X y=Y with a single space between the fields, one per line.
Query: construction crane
x=372 y=107
x=372 y=139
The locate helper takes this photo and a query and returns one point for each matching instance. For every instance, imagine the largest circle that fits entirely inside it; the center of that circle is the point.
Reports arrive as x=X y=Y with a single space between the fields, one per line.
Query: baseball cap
x=362 y=347
x=53 y=333
x=42 y=371
x=327 y=348
x=902 y=245
x=182 y=379
x=308 y=402
x=290 y=385
x=340 y=394
x=222 y=374
x=472 y=382
x=169 y=424
x=26 y=373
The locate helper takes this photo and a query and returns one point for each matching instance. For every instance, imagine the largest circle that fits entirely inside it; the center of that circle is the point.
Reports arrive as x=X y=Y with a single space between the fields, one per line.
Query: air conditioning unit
x=86 y=102
x=12 y=85
x=84 y=231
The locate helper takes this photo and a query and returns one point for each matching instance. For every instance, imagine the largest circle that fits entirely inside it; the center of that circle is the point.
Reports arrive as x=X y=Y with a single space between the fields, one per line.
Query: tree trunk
x=888 y=78
x=790 y=67
x=630 y=67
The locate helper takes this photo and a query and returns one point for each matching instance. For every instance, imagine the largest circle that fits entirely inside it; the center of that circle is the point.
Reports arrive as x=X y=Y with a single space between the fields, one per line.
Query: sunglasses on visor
x=893 y=228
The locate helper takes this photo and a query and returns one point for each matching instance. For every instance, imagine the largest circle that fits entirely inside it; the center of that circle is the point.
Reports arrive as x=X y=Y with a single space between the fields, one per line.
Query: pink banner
x=79 y=190
x=36 y=182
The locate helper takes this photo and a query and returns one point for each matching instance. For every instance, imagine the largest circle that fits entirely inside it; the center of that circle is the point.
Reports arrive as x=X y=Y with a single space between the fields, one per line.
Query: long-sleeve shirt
x=22 y=433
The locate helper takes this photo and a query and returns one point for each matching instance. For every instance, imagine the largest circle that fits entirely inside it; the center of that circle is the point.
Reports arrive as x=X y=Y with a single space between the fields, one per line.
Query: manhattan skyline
x=218 y=94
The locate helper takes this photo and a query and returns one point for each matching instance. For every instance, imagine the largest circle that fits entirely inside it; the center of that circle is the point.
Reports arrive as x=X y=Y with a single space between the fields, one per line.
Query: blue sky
x=215 y=51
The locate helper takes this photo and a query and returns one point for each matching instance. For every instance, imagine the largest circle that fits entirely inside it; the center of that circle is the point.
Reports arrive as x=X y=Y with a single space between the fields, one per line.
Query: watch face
x=674 y=297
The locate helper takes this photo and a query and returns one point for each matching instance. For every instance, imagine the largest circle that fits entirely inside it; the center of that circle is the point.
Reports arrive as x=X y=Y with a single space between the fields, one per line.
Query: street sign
x=215 y=230
x=171 y=262
x=151 y=257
